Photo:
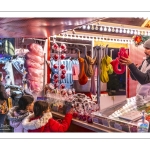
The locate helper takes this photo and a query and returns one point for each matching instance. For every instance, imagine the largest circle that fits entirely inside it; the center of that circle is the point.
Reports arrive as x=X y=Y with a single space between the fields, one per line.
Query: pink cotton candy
x=33 y=78
x=36 y=49
x=35 y=58
x=35 y=72
x=35 y=86
x=32 y=64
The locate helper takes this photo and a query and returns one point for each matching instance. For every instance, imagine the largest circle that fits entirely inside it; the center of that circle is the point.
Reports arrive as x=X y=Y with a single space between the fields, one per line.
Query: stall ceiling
x=38 y=27
x=45 y=27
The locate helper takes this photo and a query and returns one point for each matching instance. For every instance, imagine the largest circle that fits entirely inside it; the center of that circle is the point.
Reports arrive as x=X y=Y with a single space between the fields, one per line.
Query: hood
x=37 y=123
x=14 y=116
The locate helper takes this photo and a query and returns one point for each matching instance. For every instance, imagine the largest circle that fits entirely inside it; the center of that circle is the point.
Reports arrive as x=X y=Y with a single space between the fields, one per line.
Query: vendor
x=141 y=74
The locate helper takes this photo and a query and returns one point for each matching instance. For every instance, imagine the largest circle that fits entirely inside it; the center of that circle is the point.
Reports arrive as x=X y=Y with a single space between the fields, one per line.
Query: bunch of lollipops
x=60 y=71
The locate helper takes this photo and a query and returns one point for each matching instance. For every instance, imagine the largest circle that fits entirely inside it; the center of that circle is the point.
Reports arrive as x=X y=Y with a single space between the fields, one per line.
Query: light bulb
x=92 y=28
x=96 y=28
x=113 y=30
x=138 y=33
x=128 y=31
x=105 y=29
x=145 y=33
x=116 y=30
x=131 y=32
x=120 y=31
x=124 y=31
x=84 y=27
x=101 y=28
x=135 y=32
x=88 y=27
x=109 y=30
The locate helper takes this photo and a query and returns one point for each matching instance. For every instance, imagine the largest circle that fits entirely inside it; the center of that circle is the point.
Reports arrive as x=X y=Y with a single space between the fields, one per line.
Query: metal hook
x=111 y=52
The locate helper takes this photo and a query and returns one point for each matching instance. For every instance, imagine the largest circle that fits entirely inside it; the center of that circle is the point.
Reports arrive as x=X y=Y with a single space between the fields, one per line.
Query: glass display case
x=124 y=116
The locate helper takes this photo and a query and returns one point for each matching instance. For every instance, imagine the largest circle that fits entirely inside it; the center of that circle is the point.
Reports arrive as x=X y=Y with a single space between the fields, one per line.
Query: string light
x=116 y=29
x=90 y=38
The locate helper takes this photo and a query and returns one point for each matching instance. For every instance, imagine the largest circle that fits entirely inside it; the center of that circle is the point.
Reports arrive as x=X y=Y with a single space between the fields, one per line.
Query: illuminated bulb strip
x=116 y=29
x=90 y=38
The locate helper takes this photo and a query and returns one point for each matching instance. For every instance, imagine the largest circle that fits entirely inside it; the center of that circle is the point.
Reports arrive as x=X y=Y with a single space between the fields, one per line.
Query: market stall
x=80 y=69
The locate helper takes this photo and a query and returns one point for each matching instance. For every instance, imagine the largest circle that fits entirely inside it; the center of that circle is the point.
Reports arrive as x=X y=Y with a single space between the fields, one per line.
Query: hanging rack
x=70 y=43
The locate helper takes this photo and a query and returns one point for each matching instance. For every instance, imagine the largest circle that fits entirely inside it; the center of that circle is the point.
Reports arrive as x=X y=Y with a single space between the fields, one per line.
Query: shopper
x=18 y=113
x=141 y=74
x=3 y=96
x=42 y=121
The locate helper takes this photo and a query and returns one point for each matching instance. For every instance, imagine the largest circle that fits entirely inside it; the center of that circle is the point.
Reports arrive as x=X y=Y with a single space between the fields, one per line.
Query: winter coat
x=46 y=123
x=16 y=118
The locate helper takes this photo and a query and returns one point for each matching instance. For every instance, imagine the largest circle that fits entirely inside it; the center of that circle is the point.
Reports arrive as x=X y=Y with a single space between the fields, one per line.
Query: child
x=41 y=120
x=18 y=113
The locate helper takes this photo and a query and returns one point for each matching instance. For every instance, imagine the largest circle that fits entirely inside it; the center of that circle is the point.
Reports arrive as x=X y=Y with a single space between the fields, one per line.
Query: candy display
x=62 y=98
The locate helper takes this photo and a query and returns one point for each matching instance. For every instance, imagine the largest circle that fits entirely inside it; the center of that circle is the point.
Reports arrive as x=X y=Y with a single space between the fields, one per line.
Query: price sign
x=117 y=126
x=105 y=122
x=95 y=120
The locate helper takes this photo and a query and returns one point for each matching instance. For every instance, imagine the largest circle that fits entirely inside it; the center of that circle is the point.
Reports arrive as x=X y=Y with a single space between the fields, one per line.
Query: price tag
x=95 y=120
x=117 y=126
x=105 y=122
x=41 y=98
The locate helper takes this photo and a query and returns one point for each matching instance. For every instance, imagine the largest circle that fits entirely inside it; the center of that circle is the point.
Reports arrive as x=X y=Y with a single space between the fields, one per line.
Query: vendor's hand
x=125 y=61
x=71 y=111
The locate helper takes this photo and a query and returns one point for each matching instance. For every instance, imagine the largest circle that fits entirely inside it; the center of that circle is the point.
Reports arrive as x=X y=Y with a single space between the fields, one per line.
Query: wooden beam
x=145 y=23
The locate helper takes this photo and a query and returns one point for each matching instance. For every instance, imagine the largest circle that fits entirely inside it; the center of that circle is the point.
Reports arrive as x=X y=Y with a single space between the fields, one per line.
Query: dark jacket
x=3 y=94
x=136 y=74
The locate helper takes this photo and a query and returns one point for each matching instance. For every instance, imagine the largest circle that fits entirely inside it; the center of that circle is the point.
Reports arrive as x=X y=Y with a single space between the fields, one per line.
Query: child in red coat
x=41 y=120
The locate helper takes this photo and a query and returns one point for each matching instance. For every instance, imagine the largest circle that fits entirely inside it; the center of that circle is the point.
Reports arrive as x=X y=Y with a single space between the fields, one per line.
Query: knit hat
x=147 y=44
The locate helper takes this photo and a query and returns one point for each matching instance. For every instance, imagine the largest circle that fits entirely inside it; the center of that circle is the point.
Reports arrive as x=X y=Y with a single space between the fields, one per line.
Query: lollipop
x=55 y=66
x=55 y=47
x=63 y=71
x=62 y=66
x=55 y=76
x=62 y=86
x=62 y=76
x=63 y=47
x=62 y=56
x=55 y=57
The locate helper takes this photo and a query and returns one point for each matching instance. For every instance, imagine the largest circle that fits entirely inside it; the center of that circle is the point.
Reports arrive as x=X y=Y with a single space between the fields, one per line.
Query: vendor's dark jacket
x=3 y=94
x=136 y=74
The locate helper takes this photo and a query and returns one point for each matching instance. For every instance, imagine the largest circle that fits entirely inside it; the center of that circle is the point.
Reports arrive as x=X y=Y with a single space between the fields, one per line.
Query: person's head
x=40 y=107
x=1 y=76
x=26 y=102
x=146 y=45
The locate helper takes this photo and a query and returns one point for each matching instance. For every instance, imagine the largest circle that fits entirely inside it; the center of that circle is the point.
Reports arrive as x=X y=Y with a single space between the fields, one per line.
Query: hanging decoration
x=140 y=39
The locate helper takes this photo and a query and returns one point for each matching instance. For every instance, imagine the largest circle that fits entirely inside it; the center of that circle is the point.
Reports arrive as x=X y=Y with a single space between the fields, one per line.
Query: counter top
x=93 y=127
